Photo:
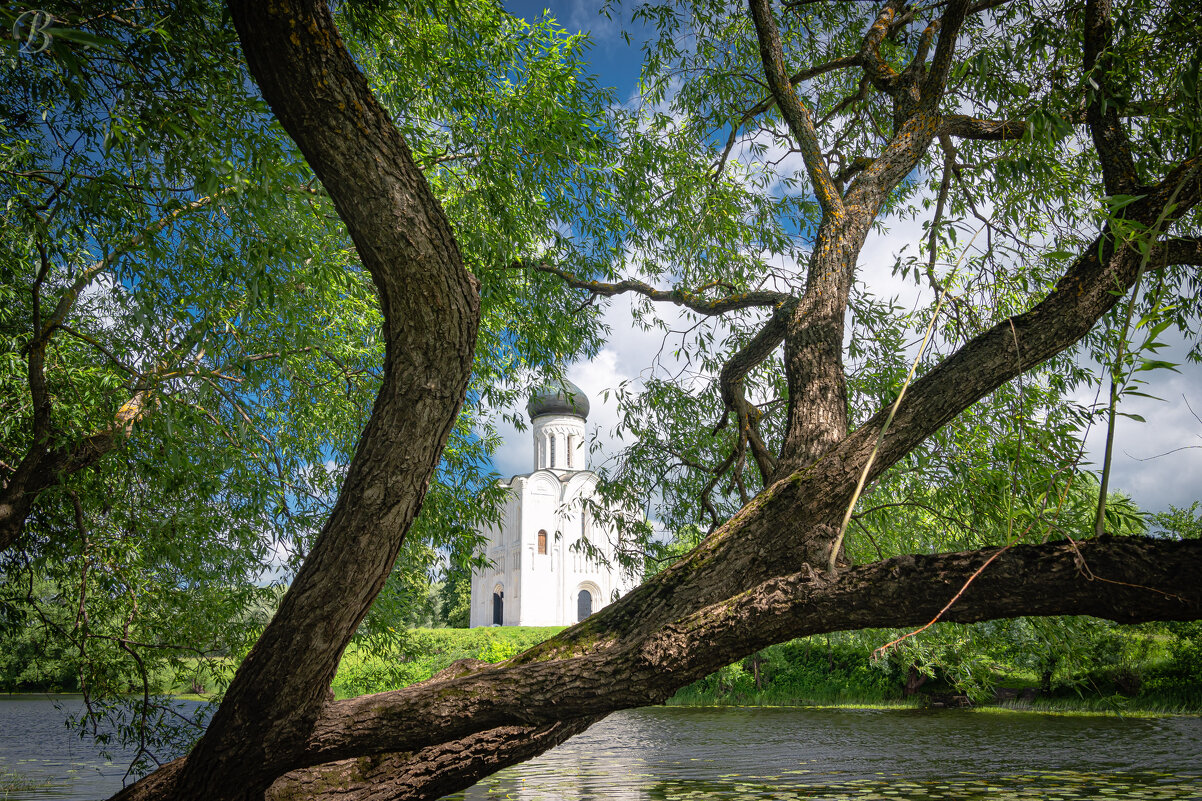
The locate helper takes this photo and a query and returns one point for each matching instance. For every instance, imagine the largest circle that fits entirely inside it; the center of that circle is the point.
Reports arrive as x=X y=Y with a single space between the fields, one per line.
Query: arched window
x=552 y=464
x=584 y=605
x=498 y=606
x=569 y=449
x=542 y=540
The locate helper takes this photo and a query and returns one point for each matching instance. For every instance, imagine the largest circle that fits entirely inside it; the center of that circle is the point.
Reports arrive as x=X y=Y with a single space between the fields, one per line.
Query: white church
x=540 y=576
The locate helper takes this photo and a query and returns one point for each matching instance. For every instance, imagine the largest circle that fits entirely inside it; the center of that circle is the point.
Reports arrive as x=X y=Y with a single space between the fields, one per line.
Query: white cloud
x=584 y=15
x=1158 y=462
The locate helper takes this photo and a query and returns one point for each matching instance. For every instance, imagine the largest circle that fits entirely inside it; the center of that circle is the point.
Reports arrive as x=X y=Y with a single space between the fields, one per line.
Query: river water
x=725 y=754
x=42 y=758
x=740 y=754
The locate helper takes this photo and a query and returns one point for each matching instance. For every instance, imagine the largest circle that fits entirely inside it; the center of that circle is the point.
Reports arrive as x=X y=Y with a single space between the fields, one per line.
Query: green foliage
x=31 y=657
x=149 y=192
x=813 y=670
x=425 y=652
x=1075 y=662
x=1016 y=213
x=1179 y=676
x=455 y=598
x=1180 y=523
x=151 y=198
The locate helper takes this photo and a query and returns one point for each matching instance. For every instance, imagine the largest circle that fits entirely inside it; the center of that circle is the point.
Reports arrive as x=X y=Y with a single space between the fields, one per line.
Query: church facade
x=540 y=574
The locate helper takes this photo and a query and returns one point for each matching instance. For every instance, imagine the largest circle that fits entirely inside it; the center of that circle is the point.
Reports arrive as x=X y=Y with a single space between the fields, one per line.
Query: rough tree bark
x=430 y=308
x=751 y=582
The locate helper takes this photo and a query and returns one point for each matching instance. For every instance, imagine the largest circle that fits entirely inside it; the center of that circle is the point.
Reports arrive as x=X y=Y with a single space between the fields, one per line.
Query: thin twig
x=838 y=543
x=1099 y=525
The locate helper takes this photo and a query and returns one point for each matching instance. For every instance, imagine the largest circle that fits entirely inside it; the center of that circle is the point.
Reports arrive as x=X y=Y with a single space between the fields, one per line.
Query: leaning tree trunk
x=430 y=309
x=563 y=686
x=758 y=579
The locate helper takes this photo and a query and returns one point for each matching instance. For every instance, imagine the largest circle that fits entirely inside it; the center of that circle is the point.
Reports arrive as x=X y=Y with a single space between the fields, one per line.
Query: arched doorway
x=498 y=606
x=584 y=604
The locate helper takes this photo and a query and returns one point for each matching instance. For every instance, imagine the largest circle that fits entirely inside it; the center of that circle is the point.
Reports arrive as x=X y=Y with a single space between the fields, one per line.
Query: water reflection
x=667 y=754
x=677 y=754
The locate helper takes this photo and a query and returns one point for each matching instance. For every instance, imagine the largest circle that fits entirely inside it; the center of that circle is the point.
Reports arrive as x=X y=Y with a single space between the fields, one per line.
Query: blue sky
x=1159 y=463
x=613 y=59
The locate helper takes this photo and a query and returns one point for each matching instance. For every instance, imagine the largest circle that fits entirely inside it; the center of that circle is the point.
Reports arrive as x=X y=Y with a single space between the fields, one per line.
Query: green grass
x=421 y=654
x=831 y=694
x=1140 y=706
x=769 y=701
x=424 y=652
x=1089 y=707
x=825 y=696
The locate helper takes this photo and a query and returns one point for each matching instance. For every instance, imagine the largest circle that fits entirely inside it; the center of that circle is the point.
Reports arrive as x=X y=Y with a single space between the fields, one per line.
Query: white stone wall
x=544 y=589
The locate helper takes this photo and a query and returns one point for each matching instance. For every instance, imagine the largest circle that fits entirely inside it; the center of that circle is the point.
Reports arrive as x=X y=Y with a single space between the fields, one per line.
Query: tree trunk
x=427 y=773
x=914 y=680
x=430 y=308
x=817 y=412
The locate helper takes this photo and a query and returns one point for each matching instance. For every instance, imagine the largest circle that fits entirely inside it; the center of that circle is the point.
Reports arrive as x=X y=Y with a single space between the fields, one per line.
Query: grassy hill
x=423 y=652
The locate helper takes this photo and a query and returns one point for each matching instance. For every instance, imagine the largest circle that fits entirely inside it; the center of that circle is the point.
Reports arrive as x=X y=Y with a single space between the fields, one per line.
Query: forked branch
x=801 y=125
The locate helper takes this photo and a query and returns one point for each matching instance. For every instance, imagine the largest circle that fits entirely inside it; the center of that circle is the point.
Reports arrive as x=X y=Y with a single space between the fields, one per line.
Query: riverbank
x=1138 y=672
x=1145 y=673
x=1073 y=706
x=831 y=672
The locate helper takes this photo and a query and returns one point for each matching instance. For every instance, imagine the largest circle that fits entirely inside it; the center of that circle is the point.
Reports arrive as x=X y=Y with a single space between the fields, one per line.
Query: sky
x=1158 y=462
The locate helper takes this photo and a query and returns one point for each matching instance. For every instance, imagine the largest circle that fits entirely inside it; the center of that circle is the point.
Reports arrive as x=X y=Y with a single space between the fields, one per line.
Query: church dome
x=558 y=398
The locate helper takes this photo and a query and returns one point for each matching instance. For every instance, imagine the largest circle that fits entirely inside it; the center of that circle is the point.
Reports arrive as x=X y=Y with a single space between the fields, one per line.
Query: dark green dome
x=558 y=398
